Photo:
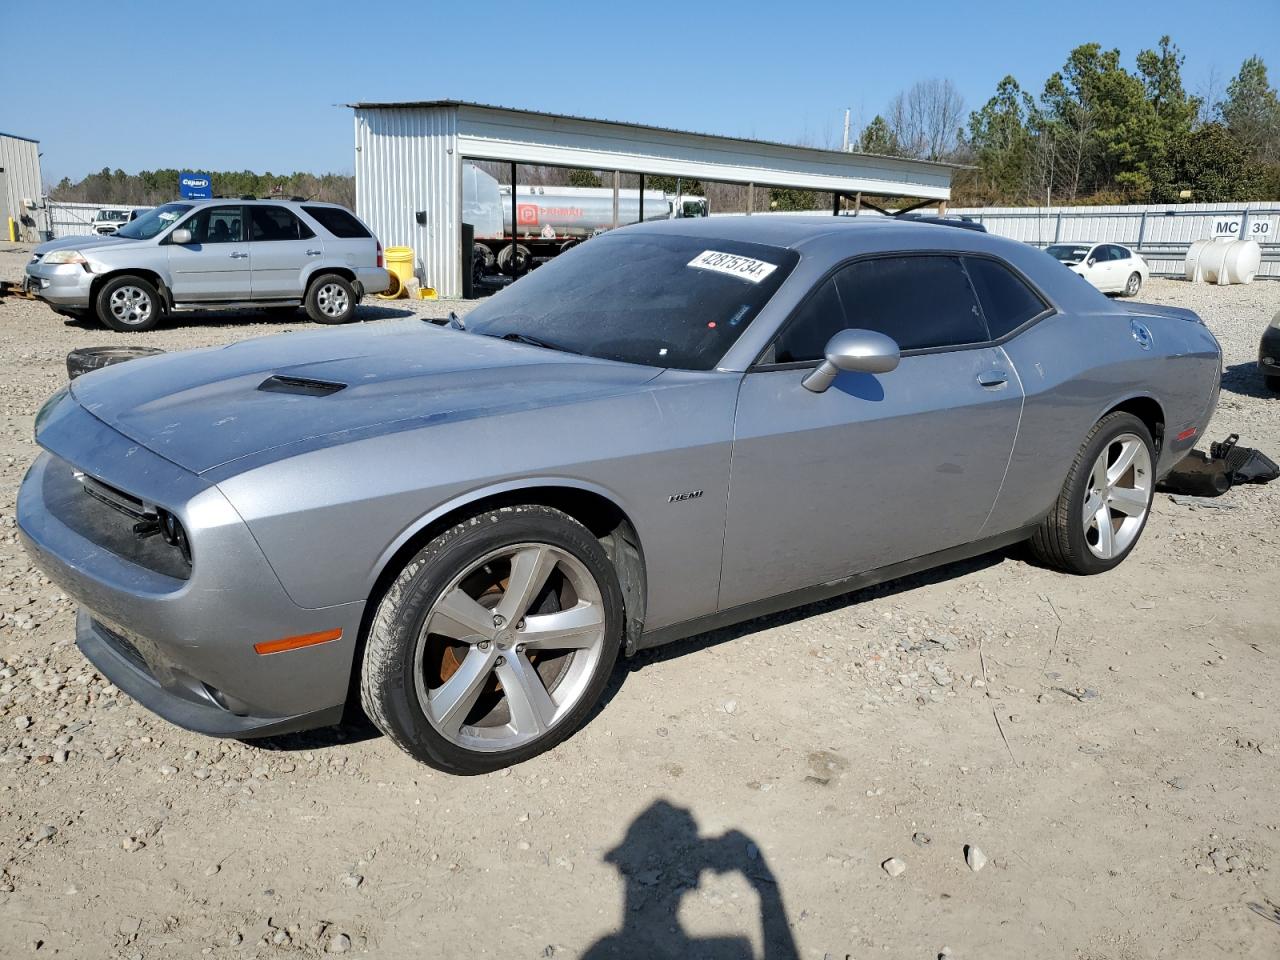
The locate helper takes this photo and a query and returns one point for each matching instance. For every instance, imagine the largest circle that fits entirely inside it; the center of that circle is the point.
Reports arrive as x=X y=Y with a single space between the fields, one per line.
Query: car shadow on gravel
x=218 y=319
x=1246 y=380
x=890 y=588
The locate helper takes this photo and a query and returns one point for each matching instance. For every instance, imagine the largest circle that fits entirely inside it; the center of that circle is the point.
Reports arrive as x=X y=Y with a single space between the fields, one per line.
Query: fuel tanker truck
x=550 y=220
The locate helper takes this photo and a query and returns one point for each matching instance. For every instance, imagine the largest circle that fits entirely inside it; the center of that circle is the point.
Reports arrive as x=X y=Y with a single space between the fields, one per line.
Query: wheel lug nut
x=519 y=648
x=520 y=625
x=500 y=662
x=499 y=620
x=483 y=644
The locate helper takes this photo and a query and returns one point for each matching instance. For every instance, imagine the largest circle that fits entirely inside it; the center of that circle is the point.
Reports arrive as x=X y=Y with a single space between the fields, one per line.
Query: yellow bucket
x=400 y=262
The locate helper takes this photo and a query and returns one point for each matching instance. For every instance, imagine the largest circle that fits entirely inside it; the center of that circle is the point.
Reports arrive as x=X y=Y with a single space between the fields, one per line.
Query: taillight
x=380 y=253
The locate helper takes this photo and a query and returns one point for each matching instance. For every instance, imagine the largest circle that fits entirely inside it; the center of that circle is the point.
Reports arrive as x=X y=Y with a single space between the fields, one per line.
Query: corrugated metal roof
x=15 y=136
x=410 y=104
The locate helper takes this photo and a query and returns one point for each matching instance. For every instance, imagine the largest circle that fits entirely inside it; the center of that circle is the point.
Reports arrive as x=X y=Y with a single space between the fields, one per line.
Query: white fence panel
x=72 y=219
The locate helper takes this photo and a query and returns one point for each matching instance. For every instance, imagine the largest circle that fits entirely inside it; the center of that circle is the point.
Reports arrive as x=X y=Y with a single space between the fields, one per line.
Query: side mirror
x=854 y=351
x=1091 y=261
x=181 y=236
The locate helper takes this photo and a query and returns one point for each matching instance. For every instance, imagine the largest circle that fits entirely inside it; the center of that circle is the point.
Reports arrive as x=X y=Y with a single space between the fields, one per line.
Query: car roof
x=812 y=233
x=276 y=201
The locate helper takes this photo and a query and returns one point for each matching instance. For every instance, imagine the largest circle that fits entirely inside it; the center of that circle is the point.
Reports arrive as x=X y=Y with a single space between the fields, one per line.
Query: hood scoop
x=300 y=386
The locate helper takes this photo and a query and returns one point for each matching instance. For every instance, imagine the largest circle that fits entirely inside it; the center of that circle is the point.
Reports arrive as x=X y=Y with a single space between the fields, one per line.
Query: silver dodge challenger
x=673 y=427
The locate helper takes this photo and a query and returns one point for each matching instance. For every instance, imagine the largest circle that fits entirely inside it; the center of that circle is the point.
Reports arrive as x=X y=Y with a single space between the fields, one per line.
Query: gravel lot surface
x=992 y=760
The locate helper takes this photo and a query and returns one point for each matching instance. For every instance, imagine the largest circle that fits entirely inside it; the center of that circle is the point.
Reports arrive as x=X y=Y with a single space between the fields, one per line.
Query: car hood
x=205 y=408
x=80 y=243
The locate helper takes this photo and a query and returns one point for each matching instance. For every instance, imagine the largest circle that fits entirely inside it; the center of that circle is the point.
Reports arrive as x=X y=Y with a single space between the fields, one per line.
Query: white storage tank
x=1223 y=261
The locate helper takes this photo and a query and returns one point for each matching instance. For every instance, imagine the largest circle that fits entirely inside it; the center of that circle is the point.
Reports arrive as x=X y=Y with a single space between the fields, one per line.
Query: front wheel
x=1133 y=285
x=495 y=641
x=129 y=304
x=1105 y=501
x=331 y=299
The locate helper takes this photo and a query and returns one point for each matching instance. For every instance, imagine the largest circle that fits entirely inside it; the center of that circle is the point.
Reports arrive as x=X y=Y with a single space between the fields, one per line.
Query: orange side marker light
x=295 y=643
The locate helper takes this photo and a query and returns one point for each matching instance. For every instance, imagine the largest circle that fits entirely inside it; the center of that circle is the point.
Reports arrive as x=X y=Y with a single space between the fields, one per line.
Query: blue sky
x=141 y=84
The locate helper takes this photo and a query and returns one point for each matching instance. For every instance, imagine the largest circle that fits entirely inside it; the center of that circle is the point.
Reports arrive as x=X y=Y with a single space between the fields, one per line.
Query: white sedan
x=1111 y=267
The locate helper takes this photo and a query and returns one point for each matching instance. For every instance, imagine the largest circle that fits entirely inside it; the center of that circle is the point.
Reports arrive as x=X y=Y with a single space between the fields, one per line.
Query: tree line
x=150 y=187
x=1102 y=133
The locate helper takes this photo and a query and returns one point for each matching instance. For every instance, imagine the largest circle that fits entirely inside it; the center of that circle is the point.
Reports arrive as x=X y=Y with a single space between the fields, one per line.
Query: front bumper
x=66 y=285
x=183 y=648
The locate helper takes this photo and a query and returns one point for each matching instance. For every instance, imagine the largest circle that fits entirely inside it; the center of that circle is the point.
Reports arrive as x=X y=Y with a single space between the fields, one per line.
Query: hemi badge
x=1187 y=434
x=294 y=643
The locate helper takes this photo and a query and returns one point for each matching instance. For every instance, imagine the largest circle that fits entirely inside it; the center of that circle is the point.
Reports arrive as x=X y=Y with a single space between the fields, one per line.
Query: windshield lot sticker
x=743 y=268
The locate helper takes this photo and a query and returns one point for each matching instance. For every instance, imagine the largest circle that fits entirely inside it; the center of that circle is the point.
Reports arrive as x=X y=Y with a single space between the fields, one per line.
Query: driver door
x=215 y=264
x=878 y=468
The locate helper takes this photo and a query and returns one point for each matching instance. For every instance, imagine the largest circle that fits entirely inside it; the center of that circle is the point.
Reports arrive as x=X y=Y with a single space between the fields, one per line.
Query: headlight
x=65 y=256
x=47 y=407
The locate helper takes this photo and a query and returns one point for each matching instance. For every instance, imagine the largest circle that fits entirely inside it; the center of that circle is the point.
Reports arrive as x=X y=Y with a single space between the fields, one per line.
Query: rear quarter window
x=338 y=222
x=1007 y=301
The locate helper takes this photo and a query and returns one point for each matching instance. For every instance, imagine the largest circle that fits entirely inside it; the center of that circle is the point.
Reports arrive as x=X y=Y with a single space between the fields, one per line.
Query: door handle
x=239 y=256
x=993 y=378
x=314 y=253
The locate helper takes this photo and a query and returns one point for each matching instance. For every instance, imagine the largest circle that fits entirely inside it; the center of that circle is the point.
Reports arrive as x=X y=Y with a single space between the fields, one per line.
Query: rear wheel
x=1133 y=284
x=495 y=641
x=129 y=304
x=1105 y=501
x=516 y=264
x=331 y=299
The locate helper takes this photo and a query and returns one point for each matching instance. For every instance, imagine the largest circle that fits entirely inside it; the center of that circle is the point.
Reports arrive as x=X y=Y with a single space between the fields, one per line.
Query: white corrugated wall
x=407 y=161
x=1160 y=232
x=20 y=160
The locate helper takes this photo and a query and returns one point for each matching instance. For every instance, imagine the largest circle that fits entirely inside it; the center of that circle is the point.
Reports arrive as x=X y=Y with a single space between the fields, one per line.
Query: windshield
x=153 y=221
x=1067 y=252
x=655 y=299
x=111 y=215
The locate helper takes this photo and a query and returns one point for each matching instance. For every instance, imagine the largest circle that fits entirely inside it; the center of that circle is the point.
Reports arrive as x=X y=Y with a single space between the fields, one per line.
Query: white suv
x=214 y=254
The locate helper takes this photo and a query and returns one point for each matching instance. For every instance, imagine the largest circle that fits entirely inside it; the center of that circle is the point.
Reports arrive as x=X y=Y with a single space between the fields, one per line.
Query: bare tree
x=926 y=119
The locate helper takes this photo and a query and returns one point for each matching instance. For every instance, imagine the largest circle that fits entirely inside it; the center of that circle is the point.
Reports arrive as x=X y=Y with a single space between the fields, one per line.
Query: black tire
x=1132 y=285
x=129 y=304
x=84 y=359
x=1272 y=381
x=517 y=265
x=388 y=691
x=1060 y=539
x=324 y=299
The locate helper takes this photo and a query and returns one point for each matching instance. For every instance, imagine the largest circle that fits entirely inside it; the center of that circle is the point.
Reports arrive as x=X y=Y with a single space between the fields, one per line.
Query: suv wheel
x=129 y=304
x=494 y=642
x=331 y=299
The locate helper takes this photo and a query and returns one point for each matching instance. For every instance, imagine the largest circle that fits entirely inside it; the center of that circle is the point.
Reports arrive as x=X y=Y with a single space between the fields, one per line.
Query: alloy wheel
x=130 y=305
x=1117 y=496
x=508 y=649
x=1131 y=288
x=332 y=300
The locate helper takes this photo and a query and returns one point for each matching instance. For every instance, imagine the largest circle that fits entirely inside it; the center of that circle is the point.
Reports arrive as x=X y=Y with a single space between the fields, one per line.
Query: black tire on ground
x=1060 y=539
x=129 y=304
x=331 y=299
x=1272 y=381
x=84 y=359
x=1133 y=284
x=388 y=691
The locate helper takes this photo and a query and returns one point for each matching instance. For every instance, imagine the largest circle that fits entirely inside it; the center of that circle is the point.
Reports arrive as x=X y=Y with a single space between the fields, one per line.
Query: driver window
x=819 y=319
x=215 y=225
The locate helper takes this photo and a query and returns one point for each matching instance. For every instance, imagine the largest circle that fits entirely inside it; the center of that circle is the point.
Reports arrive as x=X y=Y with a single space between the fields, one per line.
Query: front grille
x=116 y=521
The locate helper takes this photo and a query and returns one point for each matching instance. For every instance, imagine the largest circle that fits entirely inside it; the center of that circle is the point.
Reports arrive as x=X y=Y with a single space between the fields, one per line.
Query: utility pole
x=845 y=148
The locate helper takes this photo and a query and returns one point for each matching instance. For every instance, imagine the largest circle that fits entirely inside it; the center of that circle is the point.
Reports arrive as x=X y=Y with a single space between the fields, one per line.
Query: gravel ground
x=1108 y=745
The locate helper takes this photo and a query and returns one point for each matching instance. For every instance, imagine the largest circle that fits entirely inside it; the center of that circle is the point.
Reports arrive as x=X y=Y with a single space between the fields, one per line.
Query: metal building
x=20 y=186
x=409 y=166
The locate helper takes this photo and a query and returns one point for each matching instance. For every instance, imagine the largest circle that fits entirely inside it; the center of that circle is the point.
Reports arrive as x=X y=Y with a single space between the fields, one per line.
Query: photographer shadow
x=661 y=859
